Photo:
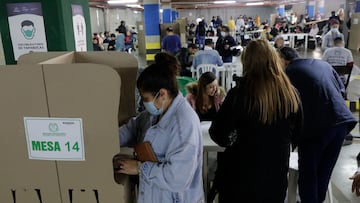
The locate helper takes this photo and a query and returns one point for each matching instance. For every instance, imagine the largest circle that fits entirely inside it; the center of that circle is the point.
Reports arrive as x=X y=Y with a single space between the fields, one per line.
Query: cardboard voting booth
x=125 y=64
x=41 y=98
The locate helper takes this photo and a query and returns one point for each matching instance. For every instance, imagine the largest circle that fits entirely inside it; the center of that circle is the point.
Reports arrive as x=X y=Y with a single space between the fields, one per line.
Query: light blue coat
x=177 y=143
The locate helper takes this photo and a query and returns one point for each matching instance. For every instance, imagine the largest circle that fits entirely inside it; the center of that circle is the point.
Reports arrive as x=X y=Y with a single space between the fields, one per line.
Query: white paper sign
x=27 y=29
x=55 y=138
x=79 y=26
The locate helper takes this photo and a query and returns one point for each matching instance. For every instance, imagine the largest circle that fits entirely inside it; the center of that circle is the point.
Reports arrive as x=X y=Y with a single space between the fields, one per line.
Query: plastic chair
x=344 y=72
x=182 y=81
x=203 y=68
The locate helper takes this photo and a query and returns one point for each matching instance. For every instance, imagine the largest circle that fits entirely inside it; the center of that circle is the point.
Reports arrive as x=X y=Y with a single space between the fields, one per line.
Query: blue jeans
x=227 y=59
x=317 y=158
x=201 y=40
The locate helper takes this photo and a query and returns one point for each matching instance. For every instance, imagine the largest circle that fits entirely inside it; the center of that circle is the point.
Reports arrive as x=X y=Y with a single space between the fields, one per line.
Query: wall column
x=320 y=7
x=166 y=15
x=152 y=28
x=310 y=8
x=281 y=10
x=174 y=15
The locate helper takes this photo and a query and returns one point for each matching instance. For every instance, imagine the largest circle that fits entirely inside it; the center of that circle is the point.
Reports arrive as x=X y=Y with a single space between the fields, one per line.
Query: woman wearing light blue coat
x=173 y=129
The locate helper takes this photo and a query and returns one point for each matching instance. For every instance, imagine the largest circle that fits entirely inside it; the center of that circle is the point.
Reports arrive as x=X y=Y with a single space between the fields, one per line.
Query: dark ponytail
x=157 y=76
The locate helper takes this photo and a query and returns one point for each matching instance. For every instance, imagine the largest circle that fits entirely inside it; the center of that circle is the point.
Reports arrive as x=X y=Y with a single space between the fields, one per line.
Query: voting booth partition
x=74 y=90
x=125 y=64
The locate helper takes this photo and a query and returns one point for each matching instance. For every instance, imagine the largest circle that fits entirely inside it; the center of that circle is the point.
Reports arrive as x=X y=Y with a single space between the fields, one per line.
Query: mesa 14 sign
x=55 y=138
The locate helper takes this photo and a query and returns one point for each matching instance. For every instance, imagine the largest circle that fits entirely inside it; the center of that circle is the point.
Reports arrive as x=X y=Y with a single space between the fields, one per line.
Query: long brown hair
x=203 y=100
x=270 y=90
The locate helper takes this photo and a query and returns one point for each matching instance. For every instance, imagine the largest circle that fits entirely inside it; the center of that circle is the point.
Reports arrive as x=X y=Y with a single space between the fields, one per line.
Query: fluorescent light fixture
x=224 y=2
x=122 y=1
x=133 y=6
x=255 y=3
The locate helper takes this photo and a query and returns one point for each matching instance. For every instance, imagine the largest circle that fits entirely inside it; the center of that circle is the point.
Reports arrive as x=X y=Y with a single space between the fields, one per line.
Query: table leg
x=205 y=174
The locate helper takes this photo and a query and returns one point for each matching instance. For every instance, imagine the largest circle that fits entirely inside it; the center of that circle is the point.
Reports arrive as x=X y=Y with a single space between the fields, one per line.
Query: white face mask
x=223 y=34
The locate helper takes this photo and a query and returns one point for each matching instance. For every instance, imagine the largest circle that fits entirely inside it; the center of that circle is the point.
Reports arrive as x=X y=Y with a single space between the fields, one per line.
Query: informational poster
x=55 y=138
x=79 y=27
x=27 y=29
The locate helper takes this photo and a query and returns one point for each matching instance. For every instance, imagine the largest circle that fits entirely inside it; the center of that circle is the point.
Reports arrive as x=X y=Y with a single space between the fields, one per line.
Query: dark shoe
x=348 y=140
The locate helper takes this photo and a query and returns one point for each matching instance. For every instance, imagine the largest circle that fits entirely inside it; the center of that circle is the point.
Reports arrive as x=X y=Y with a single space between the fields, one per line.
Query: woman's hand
x=356 y=183
x=128 y=166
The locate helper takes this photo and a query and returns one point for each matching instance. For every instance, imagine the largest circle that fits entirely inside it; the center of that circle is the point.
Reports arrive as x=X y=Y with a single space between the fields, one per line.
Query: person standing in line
x=255 y=124
x=231 y=24
x=200 y=34
x=173 y=129
x=171 y=42
x=120 y=41
x=327 y=120
x=224 y=44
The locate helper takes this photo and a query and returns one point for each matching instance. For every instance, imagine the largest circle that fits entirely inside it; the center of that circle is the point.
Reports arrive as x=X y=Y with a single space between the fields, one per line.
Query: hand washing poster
x=79 y=27
x=26 y=25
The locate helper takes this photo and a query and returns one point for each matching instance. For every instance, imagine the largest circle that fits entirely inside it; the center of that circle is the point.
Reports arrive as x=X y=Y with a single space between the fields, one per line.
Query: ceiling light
x=255 y=3
x=133 y=6
x=122 y=1
x=224 y=2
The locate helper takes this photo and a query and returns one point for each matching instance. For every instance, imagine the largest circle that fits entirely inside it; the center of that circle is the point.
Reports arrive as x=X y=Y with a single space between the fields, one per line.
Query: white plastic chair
x=230 y=70
x=203 y=68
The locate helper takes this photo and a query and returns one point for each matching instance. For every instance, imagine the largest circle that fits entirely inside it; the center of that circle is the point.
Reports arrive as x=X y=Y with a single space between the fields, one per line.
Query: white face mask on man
x=223 y=34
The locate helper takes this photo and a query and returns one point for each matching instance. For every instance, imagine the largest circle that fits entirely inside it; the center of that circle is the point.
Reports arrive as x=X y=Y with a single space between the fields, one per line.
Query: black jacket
x=261 y=151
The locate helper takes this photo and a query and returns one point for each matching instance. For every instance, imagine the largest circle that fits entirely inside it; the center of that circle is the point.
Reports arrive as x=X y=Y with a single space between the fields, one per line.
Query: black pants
x=317 y=158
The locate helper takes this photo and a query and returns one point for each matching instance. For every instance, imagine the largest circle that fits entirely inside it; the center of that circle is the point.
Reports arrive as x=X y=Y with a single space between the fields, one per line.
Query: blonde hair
x=270 y=90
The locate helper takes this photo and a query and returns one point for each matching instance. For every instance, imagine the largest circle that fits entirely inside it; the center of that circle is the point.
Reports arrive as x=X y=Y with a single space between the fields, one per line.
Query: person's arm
x=324 y=43
x=356 y=182
x=176 y=172
x=127 y=133
x=222 y=129
x=219 y=59
x=350 y=59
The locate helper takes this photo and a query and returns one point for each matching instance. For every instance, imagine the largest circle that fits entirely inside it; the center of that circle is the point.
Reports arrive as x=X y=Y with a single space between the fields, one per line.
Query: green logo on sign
x=53 y=127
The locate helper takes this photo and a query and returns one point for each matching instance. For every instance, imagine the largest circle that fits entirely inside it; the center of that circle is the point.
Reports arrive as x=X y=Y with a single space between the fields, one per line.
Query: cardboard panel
x=38 y=57
x=90 y=92
x=124 y=63
x=23 y=95
x=127 y=66
x=66 y=58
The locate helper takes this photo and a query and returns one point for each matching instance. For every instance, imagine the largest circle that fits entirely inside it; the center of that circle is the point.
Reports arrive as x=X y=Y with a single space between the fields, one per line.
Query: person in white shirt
x=338 y=55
